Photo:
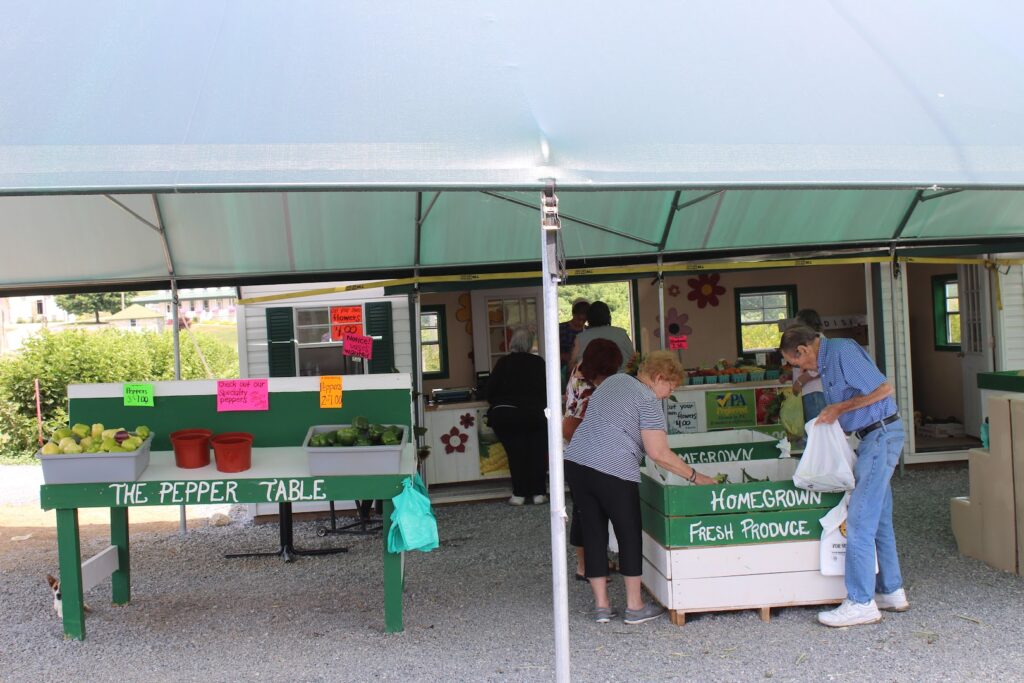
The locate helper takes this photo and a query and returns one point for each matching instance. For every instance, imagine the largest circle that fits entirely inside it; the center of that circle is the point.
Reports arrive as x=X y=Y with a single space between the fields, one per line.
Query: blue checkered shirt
x=847 y=372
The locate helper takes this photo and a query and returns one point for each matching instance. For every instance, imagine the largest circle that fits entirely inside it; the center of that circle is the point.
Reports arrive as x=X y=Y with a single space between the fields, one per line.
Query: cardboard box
x=992 y=474
x=1000 y=429
x=966 y=523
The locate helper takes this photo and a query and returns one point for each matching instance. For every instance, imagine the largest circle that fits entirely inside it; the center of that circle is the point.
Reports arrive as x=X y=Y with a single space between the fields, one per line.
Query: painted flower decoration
x=464 y=314
x=704 y=289
x=676 y=324
x=454 y=441
x=673 y=290
x=467 y=420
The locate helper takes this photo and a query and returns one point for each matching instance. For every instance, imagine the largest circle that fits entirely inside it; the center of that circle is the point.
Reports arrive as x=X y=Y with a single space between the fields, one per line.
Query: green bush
x=78 y=357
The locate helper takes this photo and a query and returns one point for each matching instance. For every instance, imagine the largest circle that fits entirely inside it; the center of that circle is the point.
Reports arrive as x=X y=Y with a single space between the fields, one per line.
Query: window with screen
x=758 y=313
x=946 y=303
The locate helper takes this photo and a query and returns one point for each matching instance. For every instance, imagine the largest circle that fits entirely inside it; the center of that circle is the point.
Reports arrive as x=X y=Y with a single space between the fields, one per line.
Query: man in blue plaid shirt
x=859 y=397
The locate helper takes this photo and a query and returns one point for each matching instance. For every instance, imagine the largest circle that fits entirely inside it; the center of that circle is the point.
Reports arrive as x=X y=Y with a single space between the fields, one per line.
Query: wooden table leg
x=392 y=577
x=120 y=579
x=69 y=557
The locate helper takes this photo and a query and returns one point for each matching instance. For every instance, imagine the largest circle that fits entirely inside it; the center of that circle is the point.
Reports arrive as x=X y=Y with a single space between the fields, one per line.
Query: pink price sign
x=357 y=345
x=242 y=394
x=677 y=343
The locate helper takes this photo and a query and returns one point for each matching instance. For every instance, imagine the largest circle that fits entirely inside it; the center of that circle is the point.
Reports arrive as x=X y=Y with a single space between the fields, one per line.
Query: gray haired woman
x=518 y=398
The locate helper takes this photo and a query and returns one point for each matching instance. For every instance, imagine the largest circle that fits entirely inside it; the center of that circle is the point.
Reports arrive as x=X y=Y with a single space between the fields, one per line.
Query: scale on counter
x=454 y=395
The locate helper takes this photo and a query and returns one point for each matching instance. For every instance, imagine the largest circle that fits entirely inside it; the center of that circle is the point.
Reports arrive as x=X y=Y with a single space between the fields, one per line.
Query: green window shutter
x=378 y=324
x=281 y=342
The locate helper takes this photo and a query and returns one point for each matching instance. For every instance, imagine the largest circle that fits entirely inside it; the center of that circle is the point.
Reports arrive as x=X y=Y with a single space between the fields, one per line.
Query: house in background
x=137 y=318
x=33 y=309
x=203 y=304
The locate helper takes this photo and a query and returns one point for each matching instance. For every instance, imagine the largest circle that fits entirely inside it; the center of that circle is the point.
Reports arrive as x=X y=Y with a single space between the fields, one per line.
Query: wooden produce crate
x=734 y=546
x=734 y=445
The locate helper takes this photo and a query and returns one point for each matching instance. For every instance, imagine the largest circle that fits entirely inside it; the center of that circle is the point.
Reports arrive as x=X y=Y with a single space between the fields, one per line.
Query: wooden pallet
x=678 y=617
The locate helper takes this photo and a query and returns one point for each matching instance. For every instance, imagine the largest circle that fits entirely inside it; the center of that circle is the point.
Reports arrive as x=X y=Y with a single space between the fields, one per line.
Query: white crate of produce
x=325 y=461
x=95 y=468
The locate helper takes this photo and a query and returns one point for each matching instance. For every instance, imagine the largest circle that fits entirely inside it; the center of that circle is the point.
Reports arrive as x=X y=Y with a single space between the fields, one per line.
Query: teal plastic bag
x=413 y=526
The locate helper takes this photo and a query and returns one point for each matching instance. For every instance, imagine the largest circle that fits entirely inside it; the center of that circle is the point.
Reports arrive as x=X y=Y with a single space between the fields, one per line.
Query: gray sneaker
x=646 y=613
x=603 y=615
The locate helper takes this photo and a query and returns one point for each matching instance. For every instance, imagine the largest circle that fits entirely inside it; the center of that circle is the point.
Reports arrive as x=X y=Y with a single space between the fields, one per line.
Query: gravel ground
x=479 y=609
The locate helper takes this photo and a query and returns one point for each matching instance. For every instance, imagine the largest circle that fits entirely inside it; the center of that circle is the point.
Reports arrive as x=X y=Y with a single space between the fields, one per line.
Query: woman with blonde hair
x=624 y=423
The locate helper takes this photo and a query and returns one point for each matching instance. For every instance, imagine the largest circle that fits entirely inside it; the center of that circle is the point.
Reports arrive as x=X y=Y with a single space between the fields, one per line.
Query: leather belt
x=861 y=433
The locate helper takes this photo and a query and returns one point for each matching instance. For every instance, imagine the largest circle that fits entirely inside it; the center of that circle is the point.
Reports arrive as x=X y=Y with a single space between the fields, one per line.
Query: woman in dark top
x=517 y=394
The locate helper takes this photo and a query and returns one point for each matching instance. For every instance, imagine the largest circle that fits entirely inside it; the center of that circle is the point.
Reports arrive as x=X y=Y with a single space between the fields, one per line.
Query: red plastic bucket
x=232 y=451
x=191 y=448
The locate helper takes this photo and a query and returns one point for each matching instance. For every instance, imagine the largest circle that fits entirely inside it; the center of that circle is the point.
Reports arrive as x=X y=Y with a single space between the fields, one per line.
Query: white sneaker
x=516 y=500
x=540 y=499
x=892 y=602
x=851 y=614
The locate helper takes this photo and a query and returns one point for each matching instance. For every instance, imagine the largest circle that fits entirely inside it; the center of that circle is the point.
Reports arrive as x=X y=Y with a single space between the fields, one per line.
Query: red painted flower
x=673 y=290
x=704 y=289
x=454 y=441
x=676 y=324
x=467 y=420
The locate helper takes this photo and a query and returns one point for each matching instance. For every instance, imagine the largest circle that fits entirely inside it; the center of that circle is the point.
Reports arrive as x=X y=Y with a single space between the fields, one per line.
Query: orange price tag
x=330 y=391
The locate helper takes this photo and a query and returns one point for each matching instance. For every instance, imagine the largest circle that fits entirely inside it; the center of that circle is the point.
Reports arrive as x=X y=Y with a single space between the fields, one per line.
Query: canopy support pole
x=414 y=313
x=160 y=230
x=661 y=304
x=550 y=225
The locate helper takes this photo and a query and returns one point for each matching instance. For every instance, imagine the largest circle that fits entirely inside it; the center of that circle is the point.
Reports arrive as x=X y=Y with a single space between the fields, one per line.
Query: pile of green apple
x=81 y=438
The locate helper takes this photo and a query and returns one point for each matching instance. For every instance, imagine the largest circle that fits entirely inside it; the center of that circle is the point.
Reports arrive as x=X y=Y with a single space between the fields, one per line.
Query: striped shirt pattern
x=609 y=440
x=847 y=372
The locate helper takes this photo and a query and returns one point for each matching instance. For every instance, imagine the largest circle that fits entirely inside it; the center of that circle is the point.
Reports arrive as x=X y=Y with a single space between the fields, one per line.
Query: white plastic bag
x=827 y=462
x=833 y=540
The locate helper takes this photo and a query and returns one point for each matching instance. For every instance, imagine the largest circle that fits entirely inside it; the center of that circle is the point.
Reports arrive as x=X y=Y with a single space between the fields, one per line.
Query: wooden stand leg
x=120 y=579
x=69 y=555
x=677 y=617
x=766 y=614
x=393 y=580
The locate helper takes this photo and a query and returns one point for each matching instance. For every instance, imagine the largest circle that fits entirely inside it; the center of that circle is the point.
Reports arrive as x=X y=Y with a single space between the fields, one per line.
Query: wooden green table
x=278 y=475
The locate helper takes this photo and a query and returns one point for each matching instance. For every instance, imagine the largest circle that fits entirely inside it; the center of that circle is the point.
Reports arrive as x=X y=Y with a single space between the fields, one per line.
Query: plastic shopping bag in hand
x=413 y=526
x=833 y=540
x=827 y=462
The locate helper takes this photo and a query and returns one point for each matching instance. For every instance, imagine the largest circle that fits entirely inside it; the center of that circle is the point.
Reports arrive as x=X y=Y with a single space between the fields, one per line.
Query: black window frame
x=442 y=341
x=738 y=292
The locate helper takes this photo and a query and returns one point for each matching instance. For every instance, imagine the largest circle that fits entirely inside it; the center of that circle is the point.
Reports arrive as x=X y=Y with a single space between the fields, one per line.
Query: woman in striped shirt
x=624 y=422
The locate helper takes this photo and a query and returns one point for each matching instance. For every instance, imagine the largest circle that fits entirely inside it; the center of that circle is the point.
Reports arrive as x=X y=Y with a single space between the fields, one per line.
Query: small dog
x=58 y=605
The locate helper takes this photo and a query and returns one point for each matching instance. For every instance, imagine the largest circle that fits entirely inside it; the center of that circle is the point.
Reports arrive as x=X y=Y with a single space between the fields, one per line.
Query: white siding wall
x=897 y=355
x=1009 y=322
x=254 y=319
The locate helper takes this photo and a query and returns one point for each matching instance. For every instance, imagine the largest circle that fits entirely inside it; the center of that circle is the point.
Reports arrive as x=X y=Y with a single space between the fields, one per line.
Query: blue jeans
x=869 y=520
x=813 y=404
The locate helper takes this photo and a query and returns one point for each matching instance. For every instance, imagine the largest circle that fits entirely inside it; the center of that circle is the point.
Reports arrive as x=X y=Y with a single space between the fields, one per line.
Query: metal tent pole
x=661 y=303
x=160 y=230
x=550 y=226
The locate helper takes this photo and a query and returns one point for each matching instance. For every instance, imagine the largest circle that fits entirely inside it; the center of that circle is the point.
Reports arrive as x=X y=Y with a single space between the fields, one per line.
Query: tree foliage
x=81 y=304
x=78 y=357
x=615 y=294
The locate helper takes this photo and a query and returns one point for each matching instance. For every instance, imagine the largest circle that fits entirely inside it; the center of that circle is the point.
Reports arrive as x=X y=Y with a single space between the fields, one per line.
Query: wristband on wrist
x=693 y=475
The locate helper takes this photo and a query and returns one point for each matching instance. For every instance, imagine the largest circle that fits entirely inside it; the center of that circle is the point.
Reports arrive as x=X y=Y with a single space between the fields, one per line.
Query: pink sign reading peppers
x=242 y=394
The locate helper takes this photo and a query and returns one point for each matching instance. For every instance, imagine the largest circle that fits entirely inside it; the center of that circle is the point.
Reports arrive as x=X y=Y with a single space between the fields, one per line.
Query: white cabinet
x=462 y=446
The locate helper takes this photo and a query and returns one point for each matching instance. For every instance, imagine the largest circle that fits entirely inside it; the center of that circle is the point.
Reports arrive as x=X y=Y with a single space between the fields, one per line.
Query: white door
x=975 y=338
x=496 y=314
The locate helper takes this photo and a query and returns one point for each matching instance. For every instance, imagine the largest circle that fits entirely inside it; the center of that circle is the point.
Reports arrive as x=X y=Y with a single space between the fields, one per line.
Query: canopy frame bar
x=565 y=216
x=906 y=216
x=939 y=195
x=696 y=200
x=712 y=220
x=668 y=223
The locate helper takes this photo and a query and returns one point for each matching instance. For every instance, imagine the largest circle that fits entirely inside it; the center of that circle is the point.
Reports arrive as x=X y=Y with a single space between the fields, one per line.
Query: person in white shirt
x=807 y=383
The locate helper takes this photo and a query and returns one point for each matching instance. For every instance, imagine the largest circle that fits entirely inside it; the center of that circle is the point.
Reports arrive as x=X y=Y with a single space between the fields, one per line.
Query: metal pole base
x=288 y=551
